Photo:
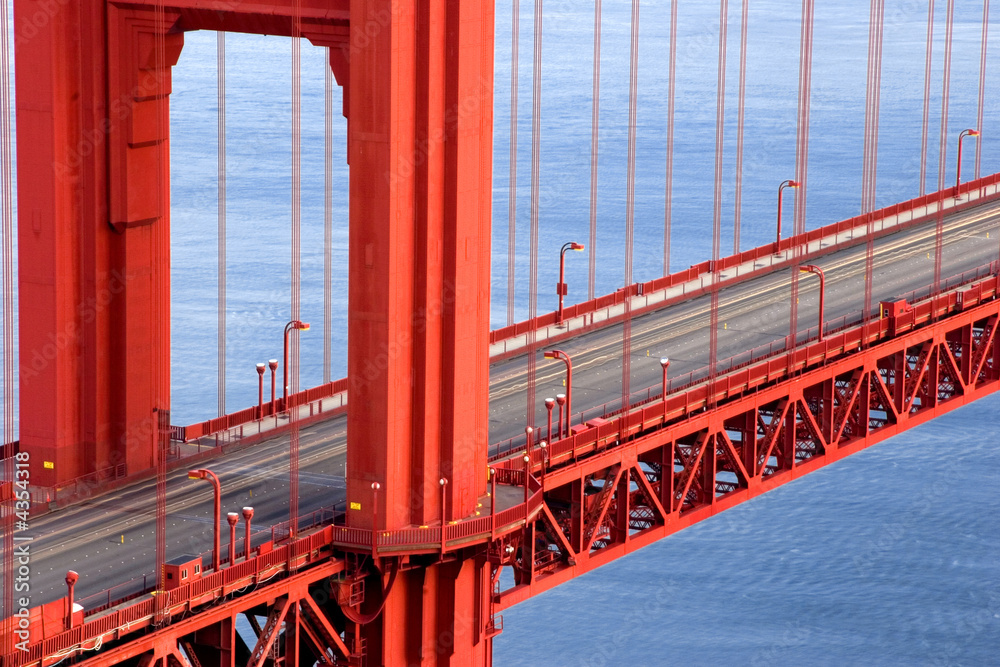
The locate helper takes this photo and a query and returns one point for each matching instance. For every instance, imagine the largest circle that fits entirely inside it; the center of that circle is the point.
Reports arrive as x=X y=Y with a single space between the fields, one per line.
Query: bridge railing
x=904 y=212
x=255 y=413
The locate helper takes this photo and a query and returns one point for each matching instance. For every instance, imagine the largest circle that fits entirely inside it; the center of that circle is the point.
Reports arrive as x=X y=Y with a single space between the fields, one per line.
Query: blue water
x=887 y=558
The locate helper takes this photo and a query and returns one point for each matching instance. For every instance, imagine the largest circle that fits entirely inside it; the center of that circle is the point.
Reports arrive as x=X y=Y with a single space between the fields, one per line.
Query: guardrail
x=255 y=413
x=800 y=241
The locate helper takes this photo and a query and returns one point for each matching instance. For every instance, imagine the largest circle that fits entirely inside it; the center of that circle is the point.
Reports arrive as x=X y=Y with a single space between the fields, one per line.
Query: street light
x=260 y=390
x=202 y=473
x=71 y=578
x=812 y=268
x=545 y=457
x=559 y=354
x=273 y=365
x=963 y=135
x=375 y=487
x=299 y=326
x=233 y=518
x=787 y=184
x=443 y=482
x=561 y=288
x=665 y=363
x=561 y=401
x=527 y=472
x=247 y=515
x=549 y=404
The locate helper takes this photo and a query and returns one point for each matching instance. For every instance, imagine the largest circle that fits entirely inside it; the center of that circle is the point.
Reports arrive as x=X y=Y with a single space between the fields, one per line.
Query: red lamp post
x=298 y=325
x=71 y=578
x=247 y=515
x=562 y=289
x=561 y=401
x=375 y=487
x=273 y=365
x=559 y=354
x=444 y=519
x=545 y=457
x=665 y=364
x=812 y=268
x=493 y=500
x=233 y=518
x=527 y=472
x=260 y=390
x=787 y=184
x=963 y=135
x=549 y=404
x=202 y=473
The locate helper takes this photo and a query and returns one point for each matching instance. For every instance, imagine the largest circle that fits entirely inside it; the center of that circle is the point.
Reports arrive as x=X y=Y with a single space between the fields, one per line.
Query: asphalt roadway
x=111 y=540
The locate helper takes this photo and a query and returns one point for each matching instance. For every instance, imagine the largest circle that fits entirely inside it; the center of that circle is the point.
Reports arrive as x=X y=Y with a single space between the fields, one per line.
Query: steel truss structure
x=773 y=422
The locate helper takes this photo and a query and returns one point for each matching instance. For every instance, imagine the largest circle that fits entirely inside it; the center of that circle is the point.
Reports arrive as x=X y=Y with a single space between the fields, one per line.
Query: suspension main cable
x=927 y=97
x=633 y=110
x=9 y=331
x=720 y=123
x=328 y=222
x=982 y=85
x=296 y=278
x=943 y=149
x=221 y=97
x=515 y=40
x=737 y=215
x=536 y=128
x=595 y=124
x=802 y=153
x=671 y=90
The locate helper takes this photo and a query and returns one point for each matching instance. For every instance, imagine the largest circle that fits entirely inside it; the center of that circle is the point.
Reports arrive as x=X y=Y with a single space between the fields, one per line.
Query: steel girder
x=612 y=501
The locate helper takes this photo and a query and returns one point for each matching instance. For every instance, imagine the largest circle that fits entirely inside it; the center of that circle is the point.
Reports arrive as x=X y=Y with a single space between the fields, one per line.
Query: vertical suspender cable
x=536 y=128
x=739 y=131
x=720 y=123
x=221 y=95
x=802 y=153
x=633 y=110
x=9 y=332
x=515 y=40
x=943 y=150
x=595 y=124
x=328 y=222
x=160 y=241
x=927 y=97
x=671 y=89
x=982 y=85
x=870 y=170
x=296 y=278
x=945 y=93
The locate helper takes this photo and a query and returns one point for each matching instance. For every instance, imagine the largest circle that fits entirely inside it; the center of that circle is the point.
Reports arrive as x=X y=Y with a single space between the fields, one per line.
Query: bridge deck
x=110 y=540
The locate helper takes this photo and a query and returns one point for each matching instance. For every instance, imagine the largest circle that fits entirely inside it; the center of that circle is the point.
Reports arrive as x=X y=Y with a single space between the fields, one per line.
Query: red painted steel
x=602 y=495
x=90 y=104
x=410 y=572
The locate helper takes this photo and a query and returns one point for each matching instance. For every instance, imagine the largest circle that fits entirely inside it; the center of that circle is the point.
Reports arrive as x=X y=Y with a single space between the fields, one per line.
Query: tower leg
x=93 y=86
